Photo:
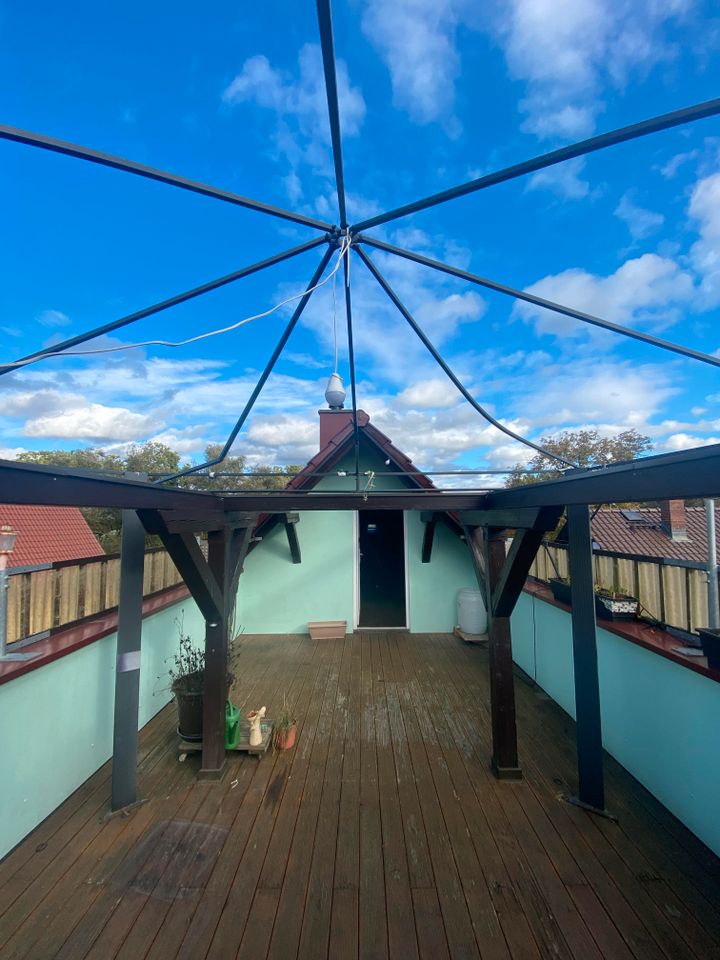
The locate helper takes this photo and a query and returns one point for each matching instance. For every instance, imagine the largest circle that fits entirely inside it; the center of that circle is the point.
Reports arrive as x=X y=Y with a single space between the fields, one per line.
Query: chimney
x=332 y=422
x=673 y=519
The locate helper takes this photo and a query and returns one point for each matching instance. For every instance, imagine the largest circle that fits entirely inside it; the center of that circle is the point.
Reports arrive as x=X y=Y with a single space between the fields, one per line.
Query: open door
x=381 y=561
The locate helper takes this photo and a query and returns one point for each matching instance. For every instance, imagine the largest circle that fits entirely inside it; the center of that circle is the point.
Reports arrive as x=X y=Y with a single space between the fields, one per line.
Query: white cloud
x=427 y=394
x=686 y=441
x=705 y=253
x=567 y=52
x=53 y=318
x=302 y=132
x=92 y=421
x=416 y=39
x=640 y=222
x=562 y=179
x=647 y=289
x=670 y=169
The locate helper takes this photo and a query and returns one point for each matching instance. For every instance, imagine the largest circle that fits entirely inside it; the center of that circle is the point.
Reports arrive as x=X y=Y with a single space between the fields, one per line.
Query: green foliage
x=188 y=673
x=154 y=458
x=586 y=448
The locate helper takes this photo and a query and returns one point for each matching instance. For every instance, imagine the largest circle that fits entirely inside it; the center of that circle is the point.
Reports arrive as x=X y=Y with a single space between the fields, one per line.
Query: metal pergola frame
x=176 y=515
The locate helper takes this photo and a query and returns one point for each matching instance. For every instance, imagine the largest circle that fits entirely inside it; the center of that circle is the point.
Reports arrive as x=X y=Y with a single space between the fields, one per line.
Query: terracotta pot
x=285 y=737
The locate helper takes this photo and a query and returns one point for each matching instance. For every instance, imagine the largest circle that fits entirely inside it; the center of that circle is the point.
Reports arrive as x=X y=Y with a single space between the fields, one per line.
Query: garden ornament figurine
x=255 y=716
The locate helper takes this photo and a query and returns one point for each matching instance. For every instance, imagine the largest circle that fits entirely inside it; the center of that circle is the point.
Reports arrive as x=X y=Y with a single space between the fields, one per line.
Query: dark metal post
x=591 y=792
x=502 y=684
x=216 y=650
x=127 y=663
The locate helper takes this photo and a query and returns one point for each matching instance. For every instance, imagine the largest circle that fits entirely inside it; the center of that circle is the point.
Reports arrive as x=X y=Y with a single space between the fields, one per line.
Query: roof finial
x=335 y=392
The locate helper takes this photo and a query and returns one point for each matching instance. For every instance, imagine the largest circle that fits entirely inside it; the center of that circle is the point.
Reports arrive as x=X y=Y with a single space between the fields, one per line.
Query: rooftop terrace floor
x=382 y=834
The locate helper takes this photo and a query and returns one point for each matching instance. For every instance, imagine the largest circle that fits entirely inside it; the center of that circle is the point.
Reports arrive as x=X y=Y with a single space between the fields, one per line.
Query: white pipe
x=713 y=615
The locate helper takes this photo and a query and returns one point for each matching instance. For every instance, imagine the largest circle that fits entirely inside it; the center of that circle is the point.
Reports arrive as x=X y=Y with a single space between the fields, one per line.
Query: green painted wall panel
x=57 y=721
x=659 y=719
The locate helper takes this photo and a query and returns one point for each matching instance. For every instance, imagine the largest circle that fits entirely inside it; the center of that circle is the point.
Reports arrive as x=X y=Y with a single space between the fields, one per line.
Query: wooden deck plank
x=382 y=834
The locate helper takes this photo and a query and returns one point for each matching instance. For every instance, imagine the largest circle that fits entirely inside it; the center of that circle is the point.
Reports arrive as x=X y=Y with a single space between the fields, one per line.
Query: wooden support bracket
x=430 y=521
x=291 y=521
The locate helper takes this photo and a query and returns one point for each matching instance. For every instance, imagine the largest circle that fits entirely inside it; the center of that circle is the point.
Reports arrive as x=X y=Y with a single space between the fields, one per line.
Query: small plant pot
x=285 y=737
x=619 y=607
x=711 y=647
x=560 y=591
x=190 y=715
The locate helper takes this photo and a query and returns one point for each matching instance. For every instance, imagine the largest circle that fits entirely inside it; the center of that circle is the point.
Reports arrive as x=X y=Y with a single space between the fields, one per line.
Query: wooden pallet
x=470 y=637
x=266 y=728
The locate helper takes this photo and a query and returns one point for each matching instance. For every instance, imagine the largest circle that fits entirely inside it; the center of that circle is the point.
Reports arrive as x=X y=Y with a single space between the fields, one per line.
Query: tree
x=586 y=448
x=104 y=522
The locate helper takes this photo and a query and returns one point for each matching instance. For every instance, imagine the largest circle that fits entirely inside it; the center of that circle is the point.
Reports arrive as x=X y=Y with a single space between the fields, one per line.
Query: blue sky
x=433 y=92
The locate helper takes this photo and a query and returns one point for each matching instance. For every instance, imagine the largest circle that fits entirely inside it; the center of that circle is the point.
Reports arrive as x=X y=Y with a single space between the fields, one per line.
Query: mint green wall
x=277 y=596
x=57 y=721
x=434 y=586
x=659 y=719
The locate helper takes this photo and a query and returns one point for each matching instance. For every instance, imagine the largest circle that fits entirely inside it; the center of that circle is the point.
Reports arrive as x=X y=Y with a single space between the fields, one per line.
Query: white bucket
x=472 y=616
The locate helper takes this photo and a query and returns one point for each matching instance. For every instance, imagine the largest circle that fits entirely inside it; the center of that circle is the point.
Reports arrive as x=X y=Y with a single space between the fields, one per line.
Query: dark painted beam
x=216 y=658
x=31 y=139
x=588 y=732
x=475 y=544
x=518 y=561
x=195 y=570
x=71 y=342
x=291 y=521
x=551 y=305
x=328 y=54
x=525 y=518
x=239 y=547
x=428 y=537
x=419 y=499
x=188 y=521
x=127 y=663
x=681 y=475
x=502 y=681
x=698 y=111
x=58 y=486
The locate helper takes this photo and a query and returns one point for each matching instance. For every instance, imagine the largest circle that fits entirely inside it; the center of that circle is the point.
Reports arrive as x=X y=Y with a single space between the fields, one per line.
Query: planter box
x=711 y=646
x=327 y=629
x=606 y=608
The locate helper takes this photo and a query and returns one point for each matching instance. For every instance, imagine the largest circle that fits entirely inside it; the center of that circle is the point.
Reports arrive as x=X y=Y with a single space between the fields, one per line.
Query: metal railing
x=671 y=592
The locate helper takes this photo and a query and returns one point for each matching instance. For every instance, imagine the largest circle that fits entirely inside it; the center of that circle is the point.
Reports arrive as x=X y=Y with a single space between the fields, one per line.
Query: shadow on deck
x=382 y=834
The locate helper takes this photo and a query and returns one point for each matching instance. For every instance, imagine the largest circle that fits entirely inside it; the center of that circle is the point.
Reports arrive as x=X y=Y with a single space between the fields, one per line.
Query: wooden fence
x=672 y=592
x=42 y=598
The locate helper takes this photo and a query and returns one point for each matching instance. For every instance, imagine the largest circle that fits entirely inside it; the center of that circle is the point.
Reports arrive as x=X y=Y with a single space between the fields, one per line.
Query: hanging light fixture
x=335 y=392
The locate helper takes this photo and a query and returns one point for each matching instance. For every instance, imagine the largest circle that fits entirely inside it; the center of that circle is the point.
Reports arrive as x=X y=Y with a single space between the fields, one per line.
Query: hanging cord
x=335 y=336
x=344 y=247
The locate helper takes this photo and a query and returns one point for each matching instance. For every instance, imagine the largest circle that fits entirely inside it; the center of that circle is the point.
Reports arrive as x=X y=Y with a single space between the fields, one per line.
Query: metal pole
x=713 y=614
x=127 y=663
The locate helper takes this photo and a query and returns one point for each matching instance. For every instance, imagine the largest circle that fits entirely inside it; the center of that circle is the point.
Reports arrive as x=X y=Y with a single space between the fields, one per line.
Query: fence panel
x=41 y=599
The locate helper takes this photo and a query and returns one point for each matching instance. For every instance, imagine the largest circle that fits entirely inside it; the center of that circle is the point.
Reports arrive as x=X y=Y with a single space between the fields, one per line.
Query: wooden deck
x=382 y=834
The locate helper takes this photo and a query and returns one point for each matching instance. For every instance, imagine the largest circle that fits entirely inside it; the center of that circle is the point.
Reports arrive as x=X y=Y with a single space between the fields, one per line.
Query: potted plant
x=285 y=729
x=187 y=679
x=613 y=604
x=711 y=646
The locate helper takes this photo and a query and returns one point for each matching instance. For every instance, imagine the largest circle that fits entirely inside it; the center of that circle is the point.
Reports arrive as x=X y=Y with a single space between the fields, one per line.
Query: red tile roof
x=612 y=531
x=47 y=534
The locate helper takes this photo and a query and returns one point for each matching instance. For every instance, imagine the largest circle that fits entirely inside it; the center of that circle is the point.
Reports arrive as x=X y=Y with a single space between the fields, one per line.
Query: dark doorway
x=382 y=568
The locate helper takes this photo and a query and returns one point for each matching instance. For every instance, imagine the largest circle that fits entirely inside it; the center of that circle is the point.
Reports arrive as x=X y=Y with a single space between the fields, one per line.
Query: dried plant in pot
x=187 y=680
x=285 y=729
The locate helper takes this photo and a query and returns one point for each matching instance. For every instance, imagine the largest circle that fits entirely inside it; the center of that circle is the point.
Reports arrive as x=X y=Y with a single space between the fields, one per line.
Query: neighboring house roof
x=48 y=534
x=613 y=531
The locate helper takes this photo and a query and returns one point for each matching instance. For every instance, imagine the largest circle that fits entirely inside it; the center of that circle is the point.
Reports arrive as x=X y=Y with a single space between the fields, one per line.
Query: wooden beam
x=291 y=520
x=220 y=549
x=588 y=730
x=519 y=559
x=202 y=520
x=474 y=540
x=127 y=663
x=428 y=536
x=524 y=518
x=239 y=546
x=502 y=682
x=187 y=556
